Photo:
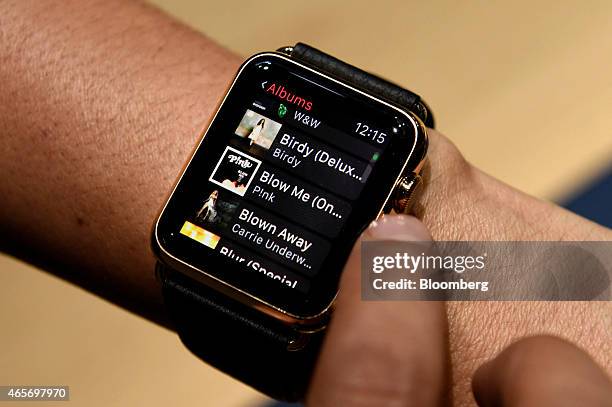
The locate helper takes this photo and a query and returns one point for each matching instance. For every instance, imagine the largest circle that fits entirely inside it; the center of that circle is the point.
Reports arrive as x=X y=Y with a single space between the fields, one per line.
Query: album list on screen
x=279 y=193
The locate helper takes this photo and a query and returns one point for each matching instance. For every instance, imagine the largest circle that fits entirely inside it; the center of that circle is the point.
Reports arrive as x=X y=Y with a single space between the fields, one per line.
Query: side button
x=405 y=192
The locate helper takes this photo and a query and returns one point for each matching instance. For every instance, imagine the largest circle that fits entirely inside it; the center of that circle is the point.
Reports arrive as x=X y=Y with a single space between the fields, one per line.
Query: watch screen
x=292 y=168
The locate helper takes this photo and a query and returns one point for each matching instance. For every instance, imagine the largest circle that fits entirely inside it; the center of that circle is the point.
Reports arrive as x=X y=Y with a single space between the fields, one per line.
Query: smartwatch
x=303 y=152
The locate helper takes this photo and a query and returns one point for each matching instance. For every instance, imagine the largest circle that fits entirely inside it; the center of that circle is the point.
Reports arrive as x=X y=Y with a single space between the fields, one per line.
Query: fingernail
x=398 y=227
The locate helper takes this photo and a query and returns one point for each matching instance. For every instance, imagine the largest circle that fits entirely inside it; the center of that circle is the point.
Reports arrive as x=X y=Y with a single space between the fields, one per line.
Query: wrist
x=459 y=202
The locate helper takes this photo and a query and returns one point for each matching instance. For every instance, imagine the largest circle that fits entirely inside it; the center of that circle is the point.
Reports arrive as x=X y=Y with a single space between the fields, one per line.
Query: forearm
x=100 y=105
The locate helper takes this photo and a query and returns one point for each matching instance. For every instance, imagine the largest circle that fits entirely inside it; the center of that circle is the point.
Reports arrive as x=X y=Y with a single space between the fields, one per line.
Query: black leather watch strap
x=242 y=342
x=364 y=81
x=266 y=354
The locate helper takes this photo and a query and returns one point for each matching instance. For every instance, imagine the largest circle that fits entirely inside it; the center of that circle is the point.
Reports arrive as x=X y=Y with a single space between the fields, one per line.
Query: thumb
x=383 y=352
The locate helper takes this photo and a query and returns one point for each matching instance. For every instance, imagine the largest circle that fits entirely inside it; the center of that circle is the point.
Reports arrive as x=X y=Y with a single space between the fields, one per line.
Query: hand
x=461 y=202
x=396 y=353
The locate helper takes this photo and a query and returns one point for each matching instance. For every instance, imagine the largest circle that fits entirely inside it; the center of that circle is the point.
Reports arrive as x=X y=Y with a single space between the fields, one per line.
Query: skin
x=383 y=353
x=388 y=353
x=100 y=105
x=542 y=371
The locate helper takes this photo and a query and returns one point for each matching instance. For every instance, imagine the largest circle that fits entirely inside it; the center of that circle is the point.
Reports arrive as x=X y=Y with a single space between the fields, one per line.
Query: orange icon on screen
x=200 y=234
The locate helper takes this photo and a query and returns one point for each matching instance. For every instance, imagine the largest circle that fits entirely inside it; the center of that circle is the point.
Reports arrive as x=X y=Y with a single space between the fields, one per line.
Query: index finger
x=390 y=353
x=542 y=371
